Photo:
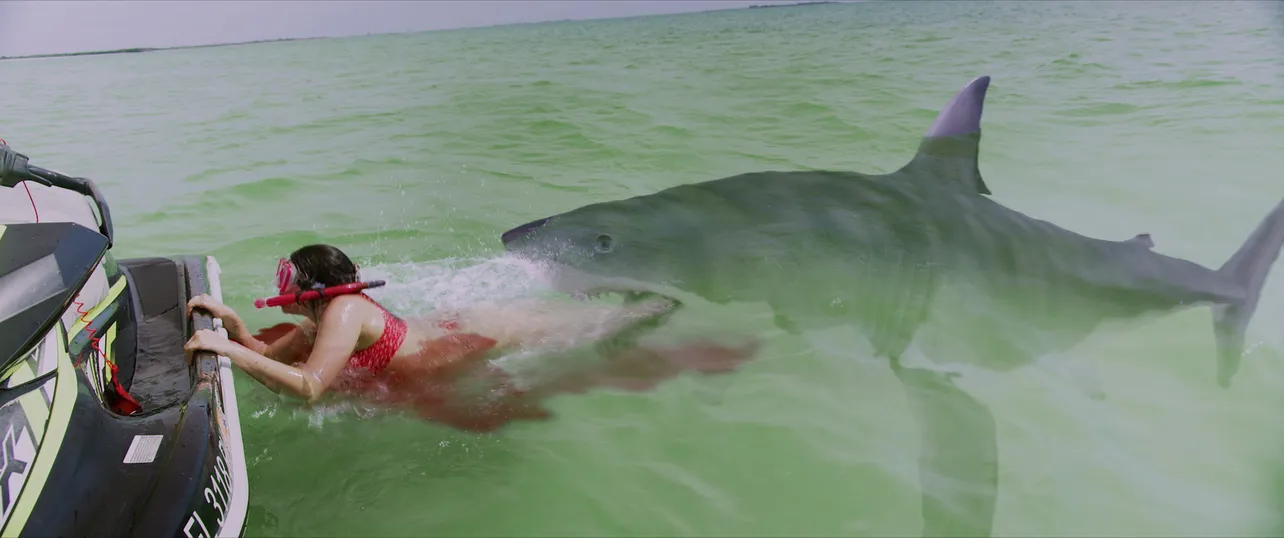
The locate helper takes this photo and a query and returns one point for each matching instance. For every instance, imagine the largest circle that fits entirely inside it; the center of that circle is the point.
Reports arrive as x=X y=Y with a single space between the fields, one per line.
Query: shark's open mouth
x=584 y=286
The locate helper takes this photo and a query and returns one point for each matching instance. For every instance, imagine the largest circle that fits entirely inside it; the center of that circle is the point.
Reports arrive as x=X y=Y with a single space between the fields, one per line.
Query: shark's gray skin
x=921 y=252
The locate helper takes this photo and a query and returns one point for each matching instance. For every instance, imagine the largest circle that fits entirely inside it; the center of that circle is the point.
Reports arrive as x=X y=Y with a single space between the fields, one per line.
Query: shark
x=920 y=255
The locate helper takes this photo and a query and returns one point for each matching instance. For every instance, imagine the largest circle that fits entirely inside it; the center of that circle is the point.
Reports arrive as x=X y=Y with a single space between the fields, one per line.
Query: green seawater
x=413 y=152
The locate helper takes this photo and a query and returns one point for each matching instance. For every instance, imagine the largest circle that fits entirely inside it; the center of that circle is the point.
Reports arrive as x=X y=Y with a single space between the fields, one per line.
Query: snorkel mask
x=287 y=275
x=284 y=275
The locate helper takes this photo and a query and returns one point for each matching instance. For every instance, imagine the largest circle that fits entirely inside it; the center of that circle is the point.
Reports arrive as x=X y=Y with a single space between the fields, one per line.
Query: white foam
x=422 y=287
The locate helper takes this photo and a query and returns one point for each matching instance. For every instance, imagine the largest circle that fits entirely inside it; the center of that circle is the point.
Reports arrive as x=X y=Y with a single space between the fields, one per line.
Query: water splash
x=419 y=288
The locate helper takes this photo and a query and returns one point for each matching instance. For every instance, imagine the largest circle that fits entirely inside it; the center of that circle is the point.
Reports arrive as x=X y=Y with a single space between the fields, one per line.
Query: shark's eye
x=603 y=243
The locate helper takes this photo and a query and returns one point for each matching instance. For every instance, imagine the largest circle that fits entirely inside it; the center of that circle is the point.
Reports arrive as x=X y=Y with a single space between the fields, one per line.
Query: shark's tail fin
x=1248 y=268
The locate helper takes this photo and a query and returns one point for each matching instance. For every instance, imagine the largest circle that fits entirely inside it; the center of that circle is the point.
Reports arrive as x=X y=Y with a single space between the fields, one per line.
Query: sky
x=57 y=26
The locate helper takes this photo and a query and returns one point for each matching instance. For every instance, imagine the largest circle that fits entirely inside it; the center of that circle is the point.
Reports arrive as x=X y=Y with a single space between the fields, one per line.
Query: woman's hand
x=208 y=340
x=219 y=310
x=231 y=321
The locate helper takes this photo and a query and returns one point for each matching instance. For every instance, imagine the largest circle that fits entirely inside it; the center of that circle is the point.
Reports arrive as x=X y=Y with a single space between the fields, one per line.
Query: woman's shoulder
x=354 y=300
x=357 y=303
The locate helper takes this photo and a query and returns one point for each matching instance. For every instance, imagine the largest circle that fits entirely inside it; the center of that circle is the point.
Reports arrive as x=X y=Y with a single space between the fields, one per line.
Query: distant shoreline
x=135 y=50
x=791 y=5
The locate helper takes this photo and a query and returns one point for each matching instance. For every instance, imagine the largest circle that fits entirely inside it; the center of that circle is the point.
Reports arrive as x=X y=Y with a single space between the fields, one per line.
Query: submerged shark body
x=921 y=252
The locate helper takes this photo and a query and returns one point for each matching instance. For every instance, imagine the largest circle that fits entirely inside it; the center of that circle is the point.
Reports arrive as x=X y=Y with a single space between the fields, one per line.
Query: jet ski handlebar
x=14 y=169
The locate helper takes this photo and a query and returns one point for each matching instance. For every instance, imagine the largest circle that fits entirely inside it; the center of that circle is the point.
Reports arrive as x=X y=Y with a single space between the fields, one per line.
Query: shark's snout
x=521 y=231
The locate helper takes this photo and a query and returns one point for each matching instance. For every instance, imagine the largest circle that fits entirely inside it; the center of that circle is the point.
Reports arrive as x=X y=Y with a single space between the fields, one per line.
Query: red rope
x=33 y=201
x=94 y=342
x=126 y=404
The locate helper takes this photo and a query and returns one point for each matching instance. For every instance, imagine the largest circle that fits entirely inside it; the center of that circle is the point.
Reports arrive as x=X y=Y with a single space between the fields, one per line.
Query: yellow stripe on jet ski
x=101 y=375
x=56 y=428
x=33 y=403
x=112 y=294
x=10 y=371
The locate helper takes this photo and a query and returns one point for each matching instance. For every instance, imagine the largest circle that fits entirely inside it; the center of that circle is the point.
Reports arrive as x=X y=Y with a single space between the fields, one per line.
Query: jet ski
x=109 y=428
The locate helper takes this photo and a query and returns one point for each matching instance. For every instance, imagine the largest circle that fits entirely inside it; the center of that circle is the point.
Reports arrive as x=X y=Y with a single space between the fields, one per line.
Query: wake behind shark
x=918 y=253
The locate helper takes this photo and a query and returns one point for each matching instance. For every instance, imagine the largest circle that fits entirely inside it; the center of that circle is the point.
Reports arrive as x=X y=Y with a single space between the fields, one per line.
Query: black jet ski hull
x=71 y=464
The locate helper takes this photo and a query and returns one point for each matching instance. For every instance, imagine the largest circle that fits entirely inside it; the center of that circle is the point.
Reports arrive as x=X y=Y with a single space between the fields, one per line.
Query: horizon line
x=142 y=48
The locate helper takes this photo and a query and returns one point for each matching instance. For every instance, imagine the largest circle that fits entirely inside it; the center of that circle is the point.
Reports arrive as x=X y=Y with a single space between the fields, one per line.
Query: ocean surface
x=414 y=152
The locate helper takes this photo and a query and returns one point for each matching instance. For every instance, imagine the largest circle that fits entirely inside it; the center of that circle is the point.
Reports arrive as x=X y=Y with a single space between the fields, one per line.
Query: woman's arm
x=284 y=342
x=236 y=329
x=336 y=340
x=289 y=348
x=272 y=374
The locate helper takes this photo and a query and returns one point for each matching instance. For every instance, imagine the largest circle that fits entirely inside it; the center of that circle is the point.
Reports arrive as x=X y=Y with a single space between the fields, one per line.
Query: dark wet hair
x=322 y=264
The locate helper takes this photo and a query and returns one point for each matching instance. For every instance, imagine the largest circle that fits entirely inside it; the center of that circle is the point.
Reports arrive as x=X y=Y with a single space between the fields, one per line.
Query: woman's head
x=321 y=266
x=313 y=267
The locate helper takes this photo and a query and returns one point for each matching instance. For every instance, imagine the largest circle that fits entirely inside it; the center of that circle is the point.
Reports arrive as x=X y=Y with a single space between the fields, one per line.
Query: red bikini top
x=377 y=357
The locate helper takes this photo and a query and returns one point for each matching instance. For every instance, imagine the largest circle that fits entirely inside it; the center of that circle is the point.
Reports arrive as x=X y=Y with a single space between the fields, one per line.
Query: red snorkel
x=343 y=289
x=285 y=277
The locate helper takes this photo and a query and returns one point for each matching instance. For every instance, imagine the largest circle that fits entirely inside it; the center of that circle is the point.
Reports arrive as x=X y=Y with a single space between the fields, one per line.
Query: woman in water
x=351 y=344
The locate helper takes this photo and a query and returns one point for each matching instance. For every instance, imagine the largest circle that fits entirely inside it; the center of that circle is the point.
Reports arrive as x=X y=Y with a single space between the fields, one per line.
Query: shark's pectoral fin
x=958 y=462
x=948 y=151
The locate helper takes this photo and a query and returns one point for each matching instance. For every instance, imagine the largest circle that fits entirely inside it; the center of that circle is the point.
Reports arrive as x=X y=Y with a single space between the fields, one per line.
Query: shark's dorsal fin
x=948 y=151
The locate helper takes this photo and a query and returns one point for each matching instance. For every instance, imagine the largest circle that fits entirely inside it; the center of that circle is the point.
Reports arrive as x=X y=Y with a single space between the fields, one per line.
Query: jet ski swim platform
x=106 y=427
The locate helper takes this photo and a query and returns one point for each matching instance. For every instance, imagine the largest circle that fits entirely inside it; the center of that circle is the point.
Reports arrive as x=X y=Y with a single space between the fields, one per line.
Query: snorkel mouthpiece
x=332 y=291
